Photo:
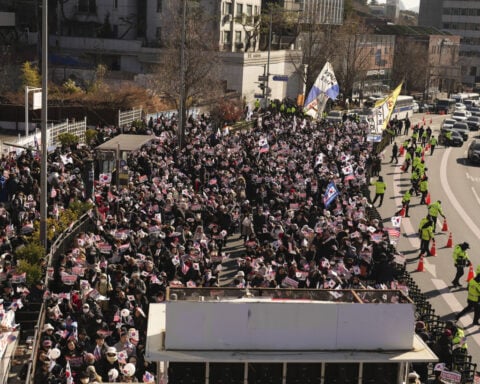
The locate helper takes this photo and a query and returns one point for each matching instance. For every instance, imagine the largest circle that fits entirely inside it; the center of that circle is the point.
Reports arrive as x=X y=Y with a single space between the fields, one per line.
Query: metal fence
x=60 y=246
x=128 y=117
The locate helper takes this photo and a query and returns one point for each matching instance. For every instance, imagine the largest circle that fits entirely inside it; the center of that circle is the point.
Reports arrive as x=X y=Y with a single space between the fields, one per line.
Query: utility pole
x=182 y=113
x=44 y=154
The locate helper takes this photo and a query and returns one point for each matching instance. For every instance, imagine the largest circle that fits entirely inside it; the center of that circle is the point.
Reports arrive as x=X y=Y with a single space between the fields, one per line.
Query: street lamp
x=44 y=154
x=181 y=119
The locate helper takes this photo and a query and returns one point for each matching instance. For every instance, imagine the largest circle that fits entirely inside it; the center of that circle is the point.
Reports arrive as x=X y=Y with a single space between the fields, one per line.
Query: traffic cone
x=420 y=267
x=427 y=199
x=433 y=250
x=402 y=150
x=431 y=120
x=402 y=212
x=449 y=241
x=471 y=274
x=423 y=155
x=445 y=225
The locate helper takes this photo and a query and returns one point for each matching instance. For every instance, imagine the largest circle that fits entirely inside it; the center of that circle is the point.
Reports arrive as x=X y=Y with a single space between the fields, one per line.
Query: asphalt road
x=457 y=185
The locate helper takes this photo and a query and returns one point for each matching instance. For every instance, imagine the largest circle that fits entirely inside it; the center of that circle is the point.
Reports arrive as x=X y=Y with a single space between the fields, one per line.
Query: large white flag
x=325 y=87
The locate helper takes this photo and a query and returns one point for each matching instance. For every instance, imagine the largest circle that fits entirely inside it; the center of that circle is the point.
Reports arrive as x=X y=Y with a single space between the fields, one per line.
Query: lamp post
x=181 y=119
x=265 y=100
x=44 y=154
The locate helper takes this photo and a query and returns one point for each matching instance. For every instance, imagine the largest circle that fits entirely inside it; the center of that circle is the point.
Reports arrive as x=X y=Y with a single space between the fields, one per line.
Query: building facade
x=323 y=12
x=459 y=18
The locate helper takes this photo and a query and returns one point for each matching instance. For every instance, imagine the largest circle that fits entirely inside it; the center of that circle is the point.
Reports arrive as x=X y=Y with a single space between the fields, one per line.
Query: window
x=227 y=8
x=238 y=36
x=159 y=6
x=255 y=10
x=87 y=6
x=239 y=10
x=249 y=10
x=227 y=37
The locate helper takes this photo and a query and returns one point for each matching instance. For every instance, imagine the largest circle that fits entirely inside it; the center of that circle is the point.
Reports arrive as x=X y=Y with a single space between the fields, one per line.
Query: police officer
x=380 y=188
x=426 y=234
x=460 y=260
x=423 y=189
x=472 y=299
x=448 y=138
x=406 y=201
x=434 y=210
x=394 y=153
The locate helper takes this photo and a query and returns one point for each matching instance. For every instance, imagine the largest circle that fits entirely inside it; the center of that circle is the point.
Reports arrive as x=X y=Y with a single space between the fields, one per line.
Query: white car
x=460 y=107
x=416 y=107
x=460 y=115
x=448 y=123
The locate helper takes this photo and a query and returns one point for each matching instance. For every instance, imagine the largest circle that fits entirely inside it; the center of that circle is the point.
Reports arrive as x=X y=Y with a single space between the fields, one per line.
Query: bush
x=68 y=139
x=31 y=253
x=34 y=271
x=91 y=136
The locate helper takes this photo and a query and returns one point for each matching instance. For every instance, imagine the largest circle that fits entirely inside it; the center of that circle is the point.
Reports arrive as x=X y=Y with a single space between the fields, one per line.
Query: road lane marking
x=476 y=195
x=453 y=200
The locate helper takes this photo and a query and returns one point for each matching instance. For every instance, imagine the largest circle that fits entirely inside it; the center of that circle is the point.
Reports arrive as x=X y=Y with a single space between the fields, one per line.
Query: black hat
x=465 y=245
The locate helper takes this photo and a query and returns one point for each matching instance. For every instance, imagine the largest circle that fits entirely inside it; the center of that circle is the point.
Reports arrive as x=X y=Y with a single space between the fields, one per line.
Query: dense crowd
x=295 y=191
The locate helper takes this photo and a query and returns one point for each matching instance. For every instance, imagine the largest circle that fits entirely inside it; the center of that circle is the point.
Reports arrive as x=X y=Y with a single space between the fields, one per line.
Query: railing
x=128 y=117
x=60 y=245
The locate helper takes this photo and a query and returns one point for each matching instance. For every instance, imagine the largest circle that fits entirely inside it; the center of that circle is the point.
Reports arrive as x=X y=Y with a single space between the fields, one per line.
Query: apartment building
x=459 y=18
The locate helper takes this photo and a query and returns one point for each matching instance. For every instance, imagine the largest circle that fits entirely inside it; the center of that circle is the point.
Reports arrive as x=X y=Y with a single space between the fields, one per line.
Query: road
x=457 y=185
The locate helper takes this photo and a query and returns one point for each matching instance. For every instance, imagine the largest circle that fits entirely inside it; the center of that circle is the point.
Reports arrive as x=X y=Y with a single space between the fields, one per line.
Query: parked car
x=462 y=128
x=456 y=141
x=416 y=107
x=460 y=115
x=335 y=117
x=460 y=107
x=448 y=123
x=425 y=107
x=473 y=154
x=473 y=123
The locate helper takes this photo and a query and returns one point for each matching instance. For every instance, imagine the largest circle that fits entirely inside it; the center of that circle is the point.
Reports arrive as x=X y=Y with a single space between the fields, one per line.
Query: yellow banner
x=384 y=107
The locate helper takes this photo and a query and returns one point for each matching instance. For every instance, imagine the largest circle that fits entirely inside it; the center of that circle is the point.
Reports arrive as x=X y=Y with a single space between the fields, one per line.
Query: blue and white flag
x=330 y=194
x=325 y=87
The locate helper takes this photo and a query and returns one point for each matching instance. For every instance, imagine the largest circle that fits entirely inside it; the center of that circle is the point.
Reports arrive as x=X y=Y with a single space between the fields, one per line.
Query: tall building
x=459 y=18
x=392 y=9
x=323 y=11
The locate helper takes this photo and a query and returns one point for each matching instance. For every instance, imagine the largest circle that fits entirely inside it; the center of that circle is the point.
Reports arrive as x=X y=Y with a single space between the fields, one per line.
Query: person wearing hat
x=443 y=347
x=106 y=363
x=380 y=187
x=48 y=333
x=460 y=260
x=413 y=378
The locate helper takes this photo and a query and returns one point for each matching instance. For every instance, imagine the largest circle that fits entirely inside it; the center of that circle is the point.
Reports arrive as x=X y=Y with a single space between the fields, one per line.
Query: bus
x=403 y=107
x=445 y=106
x=461 y=97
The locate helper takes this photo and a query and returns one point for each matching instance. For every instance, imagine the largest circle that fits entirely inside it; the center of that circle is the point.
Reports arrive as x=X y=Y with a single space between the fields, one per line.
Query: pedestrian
x=394 y=153
x=434 y=210
x=426 y=234
x=433 y=143
x=460 y=260
x=406 y=126
x=380 y=188
x=472 y=299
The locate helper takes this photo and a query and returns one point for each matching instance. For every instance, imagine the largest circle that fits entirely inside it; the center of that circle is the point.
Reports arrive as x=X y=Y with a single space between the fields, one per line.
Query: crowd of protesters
x=294 y=190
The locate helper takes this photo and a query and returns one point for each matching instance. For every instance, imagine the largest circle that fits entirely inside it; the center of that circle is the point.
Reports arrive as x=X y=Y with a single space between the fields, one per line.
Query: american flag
x=393 y=233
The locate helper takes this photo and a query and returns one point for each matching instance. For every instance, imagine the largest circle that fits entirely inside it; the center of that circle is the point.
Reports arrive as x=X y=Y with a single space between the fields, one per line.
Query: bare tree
x=201 y=57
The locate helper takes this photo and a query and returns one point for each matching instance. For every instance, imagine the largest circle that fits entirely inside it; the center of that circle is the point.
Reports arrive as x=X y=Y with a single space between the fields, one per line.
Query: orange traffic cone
x=449 y=241
x=445 y=225
x=431 y=120
x=420 y=267
x=402 y=212
x=427 y=199
x=471 y=274
x=433 y=250
x=402 y=150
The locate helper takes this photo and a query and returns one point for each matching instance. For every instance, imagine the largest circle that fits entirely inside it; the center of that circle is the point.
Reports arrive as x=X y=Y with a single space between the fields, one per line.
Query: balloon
x=129 y=369
x=54 y=353
x=112 y=374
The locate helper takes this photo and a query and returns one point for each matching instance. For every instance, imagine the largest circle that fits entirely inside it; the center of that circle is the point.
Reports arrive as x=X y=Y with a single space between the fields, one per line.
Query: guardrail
x=58 y=247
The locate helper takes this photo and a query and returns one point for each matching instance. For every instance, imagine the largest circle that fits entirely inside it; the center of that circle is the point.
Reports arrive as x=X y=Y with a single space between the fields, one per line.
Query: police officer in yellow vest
x=380 y=188
x=426 y=234
x=434 y=210
x=460 y=260
x=472 y=299
x=459 y=341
